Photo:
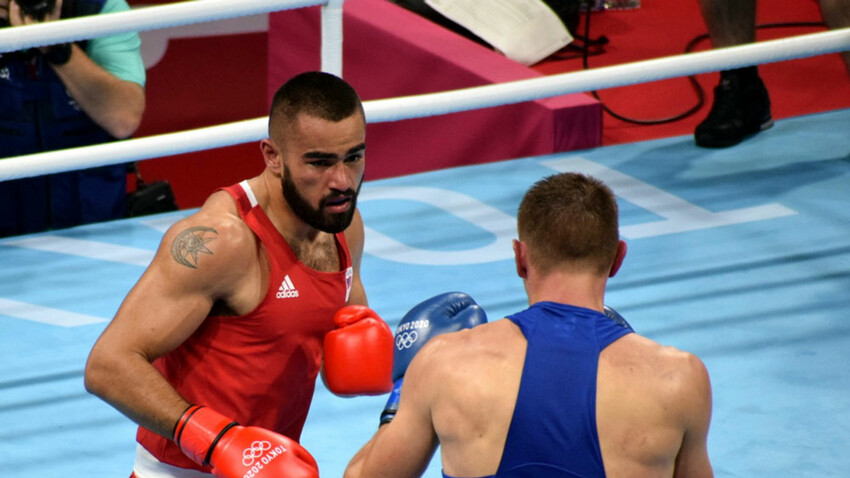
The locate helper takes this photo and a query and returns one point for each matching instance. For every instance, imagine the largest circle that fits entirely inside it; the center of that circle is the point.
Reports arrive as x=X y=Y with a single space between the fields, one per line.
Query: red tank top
x=259 y=368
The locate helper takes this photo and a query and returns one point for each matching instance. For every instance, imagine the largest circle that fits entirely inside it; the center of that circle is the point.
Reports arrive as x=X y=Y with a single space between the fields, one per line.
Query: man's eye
x=353 y=158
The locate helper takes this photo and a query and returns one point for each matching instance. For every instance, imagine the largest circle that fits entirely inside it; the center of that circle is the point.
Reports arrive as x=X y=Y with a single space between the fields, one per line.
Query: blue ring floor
x=739 y=255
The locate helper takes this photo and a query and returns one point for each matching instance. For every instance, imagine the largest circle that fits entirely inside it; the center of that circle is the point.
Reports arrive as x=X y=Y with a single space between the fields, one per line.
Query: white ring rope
x=133 y=149
x=431 y=104
x=394 y=109
x=140 y=19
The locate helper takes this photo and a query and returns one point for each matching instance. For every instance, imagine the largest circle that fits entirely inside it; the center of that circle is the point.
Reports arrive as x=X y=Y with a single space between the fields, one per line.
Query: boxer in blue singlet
x=553 y=430
x=562 y=389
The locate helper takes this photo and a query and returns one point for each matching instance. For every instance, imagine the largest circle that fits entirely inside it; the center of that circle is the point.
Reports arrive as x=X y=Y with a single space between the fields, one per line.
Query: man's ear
x=520 y=259
x=271 y=156
x=618 y=258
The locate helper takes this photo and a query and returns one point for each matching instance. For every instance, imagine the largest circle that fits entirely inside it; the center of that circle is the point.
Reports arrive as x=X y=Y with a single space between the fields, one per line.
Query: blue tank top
x=553 y=429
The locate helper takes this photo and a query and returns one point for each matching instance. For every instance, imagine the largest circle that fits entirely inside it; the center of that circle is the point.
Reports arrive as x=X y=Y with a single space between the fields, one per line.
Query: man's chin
x=341 y=222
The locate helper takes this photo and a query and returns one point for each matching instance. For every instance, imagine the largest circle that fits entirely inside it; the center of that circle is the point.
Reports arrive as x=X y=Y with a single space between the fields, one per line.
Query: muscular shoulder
x=678 y=369
x=665 y=374
x=468 y=355
x=687 y=379
x=214 y=239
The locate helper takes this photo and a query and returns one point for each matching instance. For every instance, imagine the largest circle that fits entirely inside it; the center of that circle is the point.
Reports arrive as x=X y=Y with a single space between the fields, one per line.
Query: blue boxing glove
x=616 y=317
x=441 y=314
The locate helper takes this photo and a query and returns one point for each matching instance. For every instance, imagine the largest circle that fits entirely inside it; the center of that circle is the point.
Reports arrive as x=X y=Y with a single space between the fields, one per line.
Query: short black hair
x=316 y=93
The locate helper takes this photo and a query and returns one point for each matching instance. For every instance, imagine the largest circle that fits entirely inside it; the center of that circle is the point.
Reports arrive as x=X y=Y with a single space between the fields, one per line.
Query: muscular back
x=653 y=406
x=653 y=403
x=478 y=373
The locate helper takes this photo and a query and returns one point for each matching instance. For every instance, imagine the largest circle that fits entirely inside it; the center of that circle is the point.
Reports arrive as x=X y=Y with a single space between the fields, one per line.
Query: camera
x=37 y=9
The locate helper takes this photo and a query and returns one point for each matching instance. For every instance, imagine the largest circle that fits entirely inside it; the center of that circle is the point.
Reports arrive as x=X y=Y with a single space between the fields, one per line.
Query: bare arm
x=114 y=104
x=692 y=460
x=194 y=266
x=405 y=446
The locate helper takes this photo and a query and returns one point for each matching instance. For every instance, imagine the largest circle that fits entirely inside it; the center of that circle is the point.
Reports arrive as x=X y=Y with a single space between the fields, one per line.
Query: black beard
x=315 y=217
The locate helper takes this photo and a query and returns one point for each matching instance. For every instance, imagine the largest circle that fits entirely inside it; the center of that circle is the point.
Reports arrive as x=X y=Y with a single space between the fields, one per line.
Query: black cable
x=692 y=79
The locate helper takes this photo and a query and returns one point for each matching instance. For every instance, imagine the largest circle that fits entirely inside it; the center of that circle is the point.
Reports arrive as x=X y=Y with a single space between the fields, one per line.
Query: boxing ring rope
x=173 y=15
x=400 y=108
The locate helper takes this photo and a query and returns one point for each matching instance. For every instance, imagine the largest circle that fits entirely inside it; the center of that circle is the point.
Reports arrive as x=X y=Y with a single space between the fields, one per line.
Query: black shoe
x=740 y=109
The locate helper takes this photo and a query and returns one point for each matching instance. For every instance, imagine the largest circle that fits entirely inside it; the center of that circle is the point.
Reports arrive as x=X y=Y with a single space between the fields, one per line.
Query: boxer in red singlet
x=225 y=329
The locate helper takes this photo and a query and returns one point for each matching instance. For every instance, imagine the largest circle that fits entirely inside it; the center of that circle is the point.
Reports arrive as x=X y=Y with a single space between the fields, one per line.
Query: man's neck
x=291 y=227
x=578 y=289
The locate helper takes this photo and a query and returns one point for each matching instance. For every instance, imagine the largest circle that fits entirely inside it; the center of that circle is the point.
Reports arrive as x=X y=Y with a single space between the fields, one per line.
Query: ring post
x=332 y=37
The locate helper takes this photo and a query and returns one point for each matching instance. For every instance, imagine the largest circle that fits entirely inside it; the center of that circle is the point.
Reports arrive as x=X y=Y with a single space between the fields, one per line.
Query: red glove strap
x=198 y=431
x=178 y=427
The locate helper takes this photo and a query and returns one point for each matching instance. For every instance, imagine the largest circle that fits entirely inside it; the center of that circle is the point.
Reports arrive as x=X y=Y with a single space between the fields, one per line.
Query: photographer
x=64 y=96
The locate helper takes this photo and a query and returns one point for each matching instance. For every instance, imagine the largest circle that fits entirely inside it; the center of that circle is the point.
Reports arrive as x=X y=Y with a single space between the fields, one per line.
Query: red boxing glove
x=359 y=353
x=233 y=451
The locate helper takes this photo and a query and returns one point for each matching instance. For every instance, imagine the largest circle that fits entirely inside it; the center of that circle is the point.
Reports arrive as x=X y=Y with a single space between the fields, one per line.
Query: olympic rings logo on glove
x=405 y=340
x=254 y=451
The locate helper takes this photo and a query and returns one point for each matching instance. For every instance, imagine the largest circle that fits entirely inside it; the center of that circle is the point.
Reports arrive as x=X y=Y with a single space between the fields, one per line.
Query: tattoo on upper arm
x=191 y=242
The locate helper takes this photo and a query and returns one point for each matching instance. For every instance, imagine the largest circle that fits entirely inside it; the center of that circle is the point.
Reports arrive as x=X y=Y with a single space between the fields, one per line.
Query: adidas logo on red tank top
x=287 y=290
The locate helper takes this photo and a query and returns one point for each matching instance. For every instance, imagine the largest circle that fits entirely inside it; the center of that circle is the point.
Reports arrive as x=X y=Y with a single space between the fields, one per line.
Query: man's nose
x=339 y=177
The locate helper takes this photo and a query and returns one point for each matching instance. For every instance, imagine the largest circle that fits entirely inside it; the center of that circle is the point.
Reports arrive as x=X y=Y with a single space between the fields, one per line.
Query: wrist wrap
x=58 y=55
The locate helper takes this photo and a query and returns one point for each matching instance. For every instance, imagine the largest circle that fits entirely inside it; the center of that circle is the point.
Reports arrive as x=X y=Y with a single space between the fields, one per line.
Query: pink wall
x=210 y=77
x=389 y=52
